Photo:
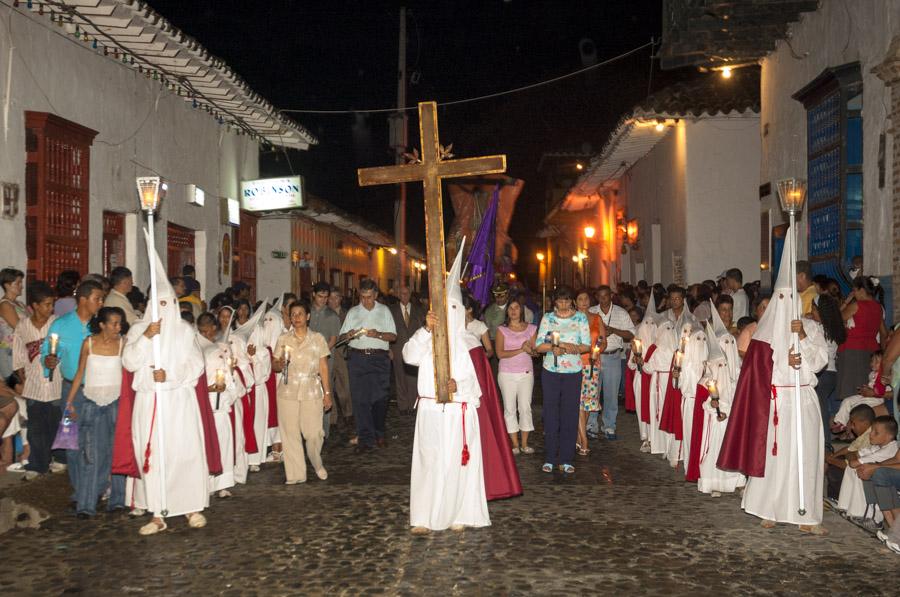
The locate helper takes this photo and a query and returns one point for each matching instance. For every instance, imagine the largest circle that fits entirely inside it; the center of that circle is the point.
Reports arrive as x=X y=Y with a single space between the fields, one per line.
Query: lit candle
x=54 y=343
x=713 y=390
x=554 y=338
x=637 y=347
x=287 y=354
x=678 y=358
x=220 y=377
x=595 y=351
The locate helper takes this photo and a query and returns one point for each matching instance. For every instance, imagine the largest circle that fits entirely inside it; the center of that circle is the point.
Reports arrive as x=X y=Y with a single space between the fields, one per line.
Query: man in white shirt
x=734 y=281
x=121 y=282
x=370 y=364
x=619 y=330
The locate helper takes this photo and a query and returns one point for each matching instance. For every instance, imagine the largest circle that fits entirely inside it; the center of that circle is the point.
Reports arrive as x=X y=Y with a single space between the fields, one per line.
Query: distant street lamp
x=589 y=232
x=792 y=194
x=542 y=275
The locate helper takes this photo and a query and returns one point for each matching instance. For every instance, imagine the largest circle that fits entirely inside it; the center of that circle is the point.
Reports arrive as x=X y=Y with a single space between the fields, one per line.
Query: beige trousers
x=300 y=421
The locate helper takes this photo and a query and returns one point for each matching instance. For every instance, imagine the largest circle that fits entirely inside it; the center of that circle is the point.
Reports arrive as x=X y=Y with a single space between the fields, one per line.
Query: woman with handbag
x=301 y=357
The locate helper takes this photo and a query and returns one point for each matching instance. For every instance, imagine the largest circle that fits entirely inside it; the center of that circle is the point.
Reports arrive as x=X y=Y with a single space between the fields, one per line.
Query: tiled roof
x=715 y=32
x=705 y=93
x=149 y=44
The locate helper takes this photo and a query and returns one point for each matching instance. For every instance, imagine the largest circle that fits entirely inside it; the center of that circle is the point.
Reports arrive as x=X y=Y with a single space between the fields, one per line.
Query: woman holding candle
x=100 y=370
x=301 y=355
x=590 y=369
x=564 y=335
x=515 y=376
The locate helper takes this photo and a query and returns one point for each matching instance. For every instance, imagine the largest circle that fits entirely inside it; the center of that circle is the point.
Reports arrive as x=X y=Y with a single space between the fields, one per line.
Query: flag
x=480 y=263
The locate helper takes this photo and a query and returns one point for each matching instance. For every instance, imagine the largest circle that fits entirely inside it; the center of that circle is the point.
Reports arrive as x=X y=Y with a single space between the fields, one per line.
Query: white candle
x=713 y=390
x=287 y=354
x=54 y=343
x=220 y=377
x=678 y=357
x=638 y=348
x=554 y=338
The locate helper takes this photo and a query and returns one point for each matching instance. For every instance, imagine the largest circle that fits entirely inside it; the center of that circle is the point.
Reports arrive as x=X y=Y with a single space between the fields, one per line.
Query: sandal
x=153 y=527
x=567 y=469
x=547 y=468
x=584 y=451
x=813 y=529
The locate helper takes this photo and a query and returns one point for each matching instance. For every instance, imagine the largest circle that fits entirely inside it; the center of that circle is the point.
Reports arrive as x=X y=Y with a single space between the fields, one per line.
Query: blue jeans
x=73 y=460
x=826 y=390
x=610 y=378
x=562 y=399
x=886 y=483
x=96 y=431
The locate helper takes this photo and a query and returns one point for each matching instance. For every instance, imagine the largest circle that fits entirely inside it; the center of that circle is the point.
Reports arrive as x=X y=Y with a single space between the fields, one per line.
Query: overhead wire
x=481 y=97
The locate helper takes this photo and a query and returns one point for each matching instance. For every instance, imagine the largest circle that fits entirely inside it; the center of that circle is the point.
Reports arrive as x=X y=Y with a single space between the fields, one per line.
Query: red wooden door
x=113 y=241
x=180 y=248
x=57 y=195
x=244 y=269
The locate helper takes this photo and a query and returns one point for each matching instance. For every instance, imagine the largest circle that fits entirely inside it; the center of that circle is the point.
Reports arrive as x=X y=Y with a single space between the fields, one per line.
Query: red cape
x=692 y=470
x=630 y=402
x=744 y=444
x=124 y=459
x=501 y=477
x=670 y=420
x=272 y=388
x=248 y=414
x=645 y=386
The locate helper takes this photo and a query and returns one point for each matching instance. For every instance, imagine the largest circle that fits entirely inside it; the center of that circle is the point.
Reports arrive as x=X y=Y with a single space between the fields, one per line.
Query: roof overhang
x=132 y=33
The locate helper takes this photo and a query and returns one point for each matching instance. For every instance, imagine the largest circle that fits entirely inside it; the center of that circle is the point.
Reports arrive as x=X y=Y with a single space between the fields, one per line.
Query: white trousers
x=516 y=389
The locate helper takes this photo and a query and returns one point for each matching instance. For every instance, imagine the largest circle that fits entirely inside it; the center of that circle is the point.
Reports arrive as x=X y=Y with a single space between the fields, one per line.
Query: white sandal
x=196 y=520
x=153 y=527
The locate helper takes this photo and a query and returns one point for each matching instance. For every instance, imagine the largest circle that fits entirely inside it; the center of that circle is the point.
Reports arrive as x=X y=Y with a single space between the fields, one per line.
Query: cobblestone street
x=622 y=524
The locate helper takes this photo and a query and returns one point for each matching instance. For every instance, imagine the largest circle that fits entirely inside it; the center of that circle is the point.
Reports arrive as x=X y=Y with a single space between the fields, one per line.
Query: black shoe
x=83 y=516
x=361 y=449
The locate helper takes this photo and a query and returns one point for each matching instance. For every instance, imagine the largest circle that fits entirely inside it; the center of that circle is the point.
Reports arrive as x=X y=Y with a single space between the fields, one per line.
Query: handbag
x=66 y=435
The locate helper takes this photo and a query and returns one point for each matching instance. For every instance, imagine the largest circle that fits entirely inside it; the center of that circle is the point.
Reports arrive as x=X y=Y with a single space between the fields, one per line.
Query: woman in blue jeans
x=100 y=369
x=827 y=312
x=564 y=335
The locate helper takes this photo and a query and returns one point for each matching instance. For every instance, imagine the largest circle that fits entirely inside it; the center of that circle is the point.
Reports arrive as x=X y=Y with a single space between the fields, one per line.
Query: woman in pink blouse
x=515 y=347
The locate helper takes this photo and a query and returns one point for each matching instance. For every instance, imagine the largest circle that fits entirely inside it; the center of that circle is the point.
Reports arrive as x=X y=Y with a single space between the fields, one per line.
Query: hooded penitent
x=744 y=445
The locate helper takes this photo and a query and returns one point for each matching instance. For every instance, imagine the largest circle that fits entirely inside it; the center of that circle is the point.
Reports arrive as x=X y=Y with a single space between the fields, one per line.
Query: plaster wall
x=839 y=32
x=144 y=129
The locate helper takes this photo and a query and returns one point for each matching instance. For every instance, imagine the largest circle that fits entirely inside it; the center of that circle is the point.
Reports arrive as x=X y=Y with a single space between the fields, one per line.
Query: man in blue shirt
x=71 y=329
x=370 y=364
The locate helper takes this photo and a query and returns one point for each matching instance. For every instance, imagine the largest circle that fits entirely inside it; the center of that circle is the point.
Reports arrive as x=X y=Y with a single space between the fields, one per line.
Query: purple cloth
x=481 y=255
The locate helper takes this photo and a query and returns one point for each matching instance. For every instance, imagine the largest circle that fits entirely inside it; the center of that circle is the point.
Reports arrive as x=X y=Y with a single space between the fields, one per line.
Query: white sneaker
x=515 y=451
x=31 y=475
x=254 y=468
x=135 y=512
x=645 y=446
x=58 y=467
x=17 y=467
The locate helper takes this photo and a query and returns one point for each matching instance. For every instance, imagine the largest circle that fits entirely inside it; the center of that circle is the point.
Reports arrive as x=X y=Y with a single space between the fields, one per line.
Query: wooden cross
x=434 y=165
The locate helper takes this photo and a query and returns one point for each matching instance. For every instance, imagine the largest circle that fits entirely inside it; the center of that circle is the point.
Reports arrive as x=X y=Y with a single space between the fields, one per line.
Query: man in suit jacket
x=409 y=316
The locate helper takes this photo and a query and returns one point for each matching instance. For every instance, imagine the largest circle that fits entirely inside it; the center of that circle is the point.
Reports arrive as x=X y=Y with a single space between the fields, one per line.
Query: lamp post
x=149 y=188
x=542 y=277
x=792 y=194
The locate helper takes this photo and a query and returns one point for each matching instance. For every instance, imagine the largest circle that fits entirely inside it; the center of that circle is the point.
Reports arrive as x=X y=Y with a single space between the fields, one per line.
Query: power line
x=482 y=97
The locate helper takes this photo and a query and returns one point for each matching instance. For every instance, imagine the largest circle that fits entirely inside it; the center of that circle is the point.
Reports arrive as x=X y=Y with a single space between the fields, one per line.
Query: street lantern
x=151 y=190
x=792 y=194
x=539 y=256
x=589 y=232
x=631 y=232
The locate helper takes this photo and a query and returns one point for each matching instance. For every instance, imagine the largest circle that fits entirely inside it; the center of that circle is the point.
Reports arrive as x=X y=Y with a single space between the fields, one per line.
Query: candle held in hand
x=679 y=356
x=54 y=343
x=637 y=347
x=220 y=377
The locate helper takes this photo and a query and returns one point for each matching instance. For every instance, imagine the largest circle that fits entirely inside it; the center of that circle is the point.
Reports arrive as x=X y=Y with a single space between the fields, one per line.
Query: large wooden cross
x=434 y=165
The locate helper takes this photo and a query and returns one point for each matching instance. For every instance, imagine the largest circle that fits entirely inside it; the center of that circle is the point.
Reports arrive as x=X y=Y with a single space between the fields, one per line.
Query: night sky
x=343 y=55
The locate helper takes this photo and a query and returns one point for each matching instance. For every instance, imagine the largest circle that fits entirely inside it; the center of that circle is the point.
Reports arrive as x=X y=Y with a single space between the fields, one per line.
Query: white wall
x=838 y=33
x=654 y=191
x=143 y=129
x=722 y=197
x=273 y=276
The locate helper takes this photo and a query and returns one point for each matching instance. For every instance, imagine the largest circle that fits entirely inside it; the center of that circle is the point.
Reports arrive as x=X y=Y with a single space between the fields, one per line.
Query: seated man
x=883 y=446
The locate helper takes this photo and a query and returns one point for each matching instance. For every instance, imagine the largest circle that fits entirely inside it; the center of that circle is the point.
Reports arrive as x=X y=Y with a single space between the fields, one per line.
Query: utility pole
x=402 y=145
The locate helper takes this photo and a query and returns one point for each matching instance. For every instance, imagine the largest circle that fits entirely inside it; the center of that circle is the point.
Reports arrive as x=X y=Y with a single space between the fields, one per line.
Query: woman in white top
x=475 y=326
x=100 y=369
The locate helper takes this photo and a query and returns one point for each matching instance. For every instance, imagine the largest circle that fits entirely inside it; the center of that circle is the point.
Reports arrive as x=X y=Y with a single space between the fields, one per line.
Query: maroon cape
x=671 y=420
x=630 y=403
x=124 y=460
x=272 y=389
x=692 y=470
x=645 y=387
x=744 y=444
x=501 y=477
x=248 y=414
